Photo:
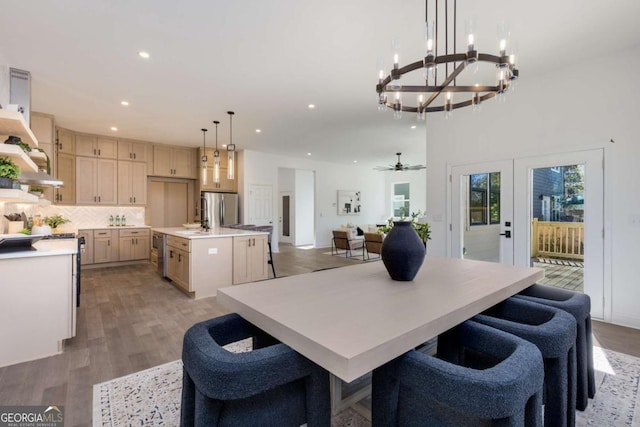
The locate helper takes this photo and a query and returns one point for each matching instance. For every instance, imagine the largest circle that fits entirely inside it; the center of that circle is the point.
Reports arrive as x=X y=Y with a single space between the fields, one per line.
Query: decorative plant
x=422 y=228
x=8 y=169
x=55 y=220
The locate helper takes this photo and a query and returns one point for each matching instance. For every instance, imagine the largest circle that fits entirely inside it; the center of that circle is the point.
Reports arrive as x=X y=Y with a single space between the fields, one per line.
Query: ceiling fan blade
x=382 y=168
x=415 y=168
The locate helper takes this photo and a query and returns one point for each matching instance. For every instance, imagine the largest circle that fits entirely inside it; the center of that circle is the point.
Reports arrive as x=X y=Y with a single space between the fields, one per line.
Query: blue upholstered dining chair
x=553 y=331
x=579 y=306
x=269 y=386
x=489 y=377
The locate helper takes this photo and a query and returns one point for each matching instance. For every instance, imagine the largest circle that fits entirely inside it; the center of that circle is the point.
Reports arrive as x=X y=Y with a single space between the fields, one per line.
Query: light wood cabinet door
x=132 y=183
x=178 y=267
x=66 y=172
x=133 y=151
x=142 y=247
x=66 y=142
x=96 y=181
x=173 y=161
x=105 y=246
x=249 y=259
x=96 y=146
x=134 y=244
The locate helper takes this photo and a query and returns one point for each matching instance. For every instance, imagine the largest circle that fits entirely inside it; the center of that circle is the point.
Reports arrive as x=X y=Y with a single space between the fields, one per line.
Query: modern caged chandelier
x=436 y=66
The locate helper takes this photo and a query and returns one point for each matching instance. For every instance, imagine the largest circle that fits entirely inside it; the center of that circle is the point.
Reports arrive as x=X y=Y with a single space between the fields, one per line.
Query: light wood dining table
x=350 y=320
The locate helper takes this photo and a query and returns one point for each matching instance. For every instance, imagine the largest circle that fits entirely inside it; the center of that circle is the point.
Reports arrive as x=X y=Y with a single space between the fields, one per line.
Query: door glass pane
x=481 y=237
x=285 y=216
x=401 y=200
x=557 y=226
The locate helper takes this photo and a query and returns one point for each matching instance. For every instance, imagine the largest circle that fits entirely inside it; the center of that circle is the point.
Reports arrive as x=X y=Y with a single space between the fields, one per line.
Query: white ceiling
x=267 y=60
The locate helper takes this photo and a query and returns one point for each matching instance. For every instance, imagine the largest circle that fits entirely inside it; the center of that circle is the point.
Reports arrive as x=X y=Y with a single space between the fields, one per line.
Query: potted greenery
x=9 y=173
x=422 y=228
x=55 y=220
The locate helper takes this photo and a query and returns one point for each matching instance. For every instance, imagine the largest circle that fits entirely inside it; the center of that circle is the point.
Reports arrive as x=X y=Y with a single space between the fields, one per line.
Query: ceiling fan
x=399 y=166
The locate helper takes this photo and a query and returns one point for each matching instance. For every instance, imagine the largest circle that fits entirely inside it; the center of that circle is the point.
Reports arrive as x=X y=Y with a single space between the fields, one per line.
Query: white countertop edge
x=113 y=227
x=215 y=232
x=53 y=247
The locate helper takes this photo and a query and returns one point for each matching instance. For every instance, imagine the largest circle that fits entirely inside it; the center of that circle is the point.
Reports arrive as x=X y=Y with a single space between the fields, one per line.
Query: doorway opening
x=557 y=232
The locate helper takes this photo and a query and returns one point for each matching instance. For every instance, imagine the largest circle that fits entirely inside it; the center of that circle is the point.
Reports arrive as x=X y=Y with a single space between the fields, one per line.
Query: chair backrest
x=373 y=242
x=341 y=239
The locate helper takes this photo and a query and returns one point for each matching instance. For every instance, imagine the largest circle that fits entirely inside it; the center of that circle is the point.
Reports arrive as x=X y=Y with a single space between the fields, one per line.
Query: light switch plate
x=213 y=251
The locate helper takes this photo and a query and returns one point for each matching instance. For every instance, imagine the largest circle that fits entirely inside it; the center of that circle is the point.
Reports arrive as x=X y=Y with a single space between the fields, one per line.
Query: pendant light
x=216 y=158
x=204 y=158
x=231 y=149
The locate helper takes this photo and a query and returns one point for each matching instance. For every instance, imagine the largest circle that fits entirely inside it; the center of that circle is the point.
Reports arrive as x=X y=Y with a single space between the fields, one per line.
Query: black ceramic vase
x=402 y=252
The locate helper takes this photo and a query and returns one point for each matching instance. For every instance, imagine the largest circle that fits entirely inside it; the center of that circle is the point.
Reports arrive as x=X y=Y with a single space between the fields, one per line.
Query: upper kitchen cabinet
x=132 y=183
x=66 y=142
x=13 y=123
x=175 y=162
x=66 y=172
x=133 y=150
x=96 y=146
x=96 y=181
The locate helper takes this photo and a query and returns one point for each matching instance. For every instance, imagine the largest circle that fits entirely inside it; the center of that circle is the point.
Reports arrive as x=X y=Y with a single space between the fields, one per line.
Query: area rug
x=152 y=397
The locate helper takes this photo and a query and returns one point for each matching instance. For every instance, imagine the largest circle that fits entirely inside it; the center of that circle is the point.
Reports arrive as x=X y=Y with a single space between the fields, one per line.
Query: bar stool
x=553 y=331
x=271 y=385
x=579 y=306
x=268 y=228
x=416 y=389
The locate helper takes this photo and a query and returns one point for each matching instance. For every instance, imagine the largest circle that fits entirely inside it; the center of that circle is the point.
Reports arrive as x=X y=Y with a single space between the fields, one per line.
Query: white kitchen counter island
x=37 y=300
x=199 y=262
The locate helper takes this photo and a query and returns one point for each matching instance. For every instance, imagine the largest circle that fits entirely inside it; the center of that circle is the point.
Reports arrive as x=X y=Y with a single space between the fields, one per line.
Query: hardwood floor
x=130 y=319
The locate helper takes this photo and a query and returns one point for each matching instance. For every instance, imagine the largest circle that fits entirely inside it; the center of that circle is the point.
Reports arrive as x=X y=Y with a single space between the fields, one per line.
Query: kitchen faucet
x=204 y=213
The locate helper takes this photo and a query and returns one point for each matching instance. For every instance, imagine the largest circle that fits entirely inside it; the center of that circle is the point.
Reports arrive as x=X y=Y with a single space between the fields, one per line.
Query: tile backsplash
x=80 y=216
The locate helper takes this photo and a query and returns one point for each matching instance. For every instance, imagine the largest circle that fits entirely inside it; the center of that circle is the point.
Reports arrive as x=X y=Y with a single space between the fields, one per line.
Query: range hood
x=39 y=178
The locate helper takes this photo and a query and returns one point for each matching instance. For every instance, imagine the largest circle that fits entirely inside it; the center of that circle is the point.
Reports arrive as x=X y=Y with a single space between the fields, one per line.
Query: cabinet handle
x=108 y=242
x=179 y=257
x=94 y=151
x=170 y=254
x=99 y=152
x=98 y=199
x=134 y=199
x=94 y=198
x=134 y=156
x=130 y=156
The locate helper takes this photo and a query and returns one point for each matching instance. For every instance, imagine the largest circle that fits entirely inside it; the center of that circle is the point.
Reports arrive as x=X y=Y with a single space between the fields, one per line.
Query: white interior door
x=481 y=214
x=260 y=204
x=593 y=207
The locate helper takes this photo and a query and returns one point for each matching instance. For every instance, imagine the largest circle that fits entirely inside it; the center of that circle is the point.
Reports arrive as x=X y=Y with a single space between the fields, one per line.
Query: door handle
x=506 y=234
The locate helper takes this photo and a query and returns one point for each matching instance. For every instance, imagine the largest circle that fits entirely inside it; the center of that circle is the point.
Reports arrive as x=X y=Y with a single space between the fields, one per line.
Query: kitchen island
x=37 y=300
x=198 y=262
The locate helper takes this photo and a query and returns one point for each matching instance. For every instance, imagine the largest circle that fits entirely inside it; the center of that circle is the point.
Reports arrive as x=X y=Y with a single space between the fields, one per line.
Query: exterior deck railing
x=557 y=239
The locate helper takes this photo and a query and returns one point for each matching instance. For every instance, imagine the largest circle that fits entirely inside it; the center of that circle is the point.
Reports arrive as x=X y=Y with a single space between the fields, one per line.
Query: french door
x=482 y=212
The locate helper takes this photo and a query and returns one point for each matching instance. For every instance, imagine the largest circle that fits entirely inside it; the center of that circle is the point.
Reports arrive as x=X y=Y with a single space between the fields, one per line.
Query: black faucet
x=204 y=213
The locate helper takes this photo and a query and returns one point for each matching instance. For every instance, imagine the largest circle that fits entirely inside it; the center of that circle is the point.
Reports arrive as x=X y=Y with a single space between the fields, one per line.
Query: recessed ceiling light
x=125 y=103
x=258 y=130
x=113 y=128
x=355 y=161
x=414 y=126
x=143 y=54
x=311 y=106
x=224 y=145
x=308 y=154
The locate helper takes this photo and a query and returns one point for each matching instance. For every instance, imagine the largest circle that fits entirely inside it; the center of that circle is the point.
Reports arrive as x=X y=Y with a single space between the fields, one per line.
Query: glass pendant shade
x=216 y=167
x=231 y=150
x=203 y=177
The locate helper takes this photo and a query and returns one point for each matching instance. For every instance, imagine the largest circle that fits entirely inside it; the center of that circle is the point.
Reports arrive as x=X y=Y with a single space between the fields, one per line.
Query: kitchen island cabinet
x=37 y=300
x=250 y=259
x=199 y=262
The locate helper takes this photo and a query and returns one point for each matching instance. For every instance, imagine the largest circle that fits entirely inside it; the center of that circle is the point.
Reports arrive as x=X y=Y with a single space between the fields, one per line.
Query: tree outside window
x=484 y=198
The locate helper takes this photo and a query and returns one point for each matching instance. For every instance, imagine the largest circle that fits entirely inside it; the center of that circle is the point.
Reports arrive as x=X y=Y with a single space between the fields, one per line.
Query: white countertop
x=199 y=233
x=114 y=227
x=50 y=247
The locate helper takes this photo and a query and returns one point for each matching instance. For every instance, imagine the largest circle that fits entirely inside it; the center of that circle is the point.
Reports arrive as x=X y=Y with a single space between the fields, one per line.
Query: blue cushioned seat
x=269 y=386
x=490 y=378
x=553 y=331
x=579 y=306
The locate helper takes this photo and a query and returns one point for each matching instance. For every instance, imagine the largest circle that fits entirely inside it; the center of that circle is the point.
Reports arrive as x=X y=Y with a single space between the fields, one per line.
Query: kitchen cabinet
x=177 y=257
x=176 y=162
x=132 y=183
x=133 y=150
x=86 y=257
x=65 y=172
x=96 y=146
x=65 y=142
x=134 y=244
x=105 y=246
x=250 y=259
x=96 y=181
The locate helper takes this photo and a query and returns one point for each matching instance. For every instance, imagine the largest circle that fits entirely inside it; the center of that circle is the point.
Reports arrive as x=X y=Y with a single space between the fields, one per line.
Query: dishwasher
x=158 y=243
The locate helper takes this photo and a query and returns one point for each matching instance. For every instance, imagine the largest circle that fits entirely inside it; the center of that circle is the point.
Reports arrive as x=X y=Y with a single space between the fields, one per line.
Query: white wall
x=304 y=208
x=583 y=106
x=262 y=168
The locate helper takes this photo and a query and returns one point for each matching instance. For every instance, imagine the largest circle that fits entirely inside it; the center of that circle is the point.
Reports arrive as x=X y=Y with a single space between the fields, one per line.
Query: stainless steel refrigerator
x=219 y=209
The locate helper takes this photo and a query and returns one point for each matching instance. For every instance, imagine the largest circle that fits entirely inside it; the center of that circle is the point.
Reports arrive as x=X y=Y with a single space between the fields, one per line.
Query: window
x=484 y=199
x=401 y=200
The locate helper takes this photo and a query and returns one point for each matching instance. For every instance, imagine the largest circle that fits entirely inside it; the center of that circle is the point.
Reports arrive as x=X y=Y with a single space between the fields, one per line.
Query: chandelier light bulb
x=397 y=106
x=382 y=101
x=430 y=37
